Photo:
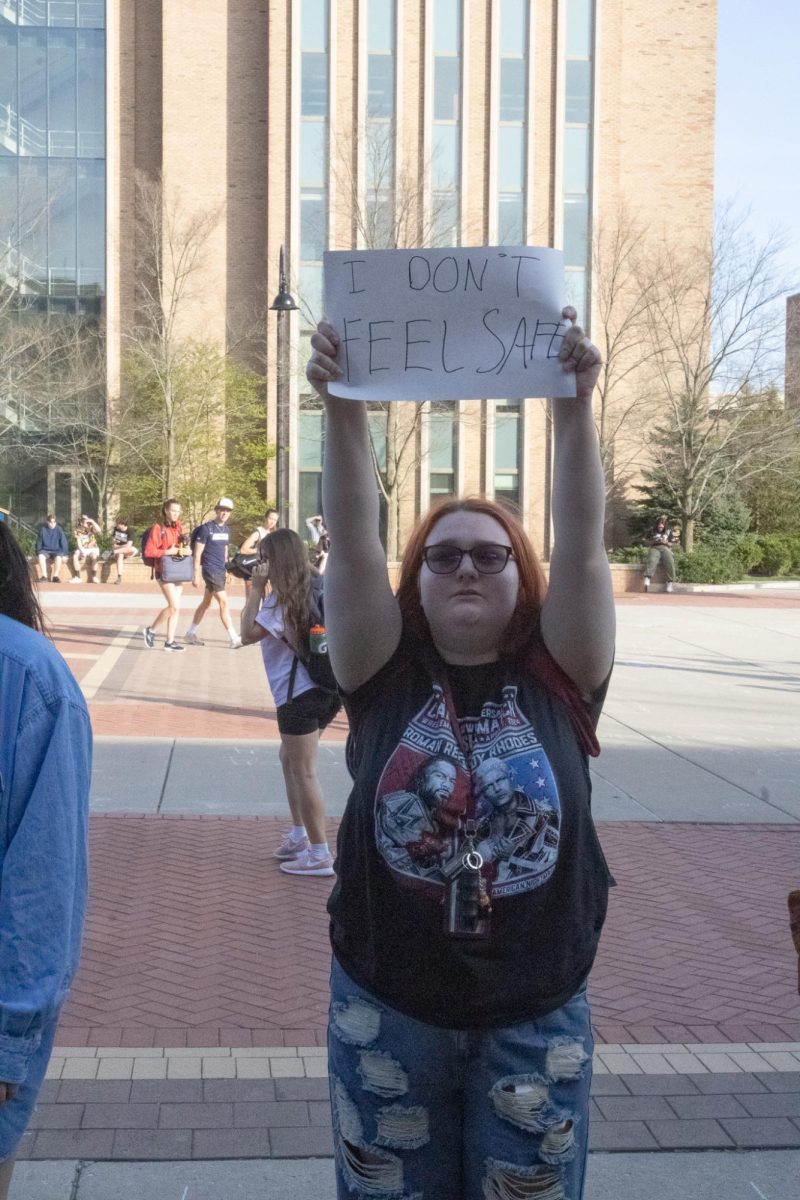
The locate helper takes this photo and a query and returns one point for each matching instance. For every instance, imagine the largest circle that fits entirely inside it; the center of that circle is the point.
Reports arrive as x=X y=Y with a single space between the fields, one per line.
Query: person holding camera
x=659 y=541
x=460 y=1044
x=86 y=550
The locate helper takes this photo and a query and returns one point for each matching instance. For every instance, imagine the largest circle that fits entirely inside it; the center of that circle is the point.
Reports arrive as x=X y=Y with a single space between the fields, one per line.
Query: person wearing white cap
x=210 y=554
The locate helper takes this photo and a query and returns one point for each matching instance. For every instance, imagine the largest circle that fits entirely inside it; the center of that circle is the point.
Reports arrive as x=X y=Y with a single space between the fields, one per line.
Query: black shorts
x=214 y=580
x=310 y=711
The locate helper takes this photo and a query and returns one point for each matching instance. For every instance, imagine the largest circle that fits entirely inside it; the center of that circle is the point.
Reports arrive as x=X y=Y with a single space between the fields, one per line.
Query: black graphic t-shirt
x=471 y=886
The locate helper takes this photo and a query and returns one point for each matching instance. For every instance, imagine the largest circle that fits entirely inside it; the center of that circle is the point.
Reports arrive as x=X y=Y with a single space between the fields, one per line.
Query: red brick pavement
x=195 y=938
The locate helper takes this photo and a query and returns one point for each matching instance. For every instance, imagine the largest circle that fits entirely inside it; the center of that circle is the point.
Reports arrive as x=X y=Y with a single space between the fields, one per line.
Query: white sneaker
x=289 y=848
x=669 y=587
x=647 y=583
x=75 y=579
x=235 y=643
x=308 y=863
x=192 y=639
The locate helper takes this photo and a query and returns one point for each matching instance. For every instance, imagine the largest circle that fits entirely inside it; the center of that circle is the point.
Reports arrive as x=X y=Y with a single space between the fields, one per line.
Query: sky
x=758 y=119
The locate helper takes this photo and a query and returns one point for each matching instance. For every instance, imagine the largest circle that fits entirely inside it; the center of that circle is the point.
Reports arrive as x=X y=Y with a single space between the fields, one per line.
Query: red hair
x=532 y=583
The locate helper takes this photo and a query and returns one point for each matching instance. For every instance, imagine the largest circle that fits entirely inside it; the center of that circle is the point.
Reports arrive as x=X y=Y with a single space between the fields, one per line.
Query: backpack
x=150 y=559
x=317 y=663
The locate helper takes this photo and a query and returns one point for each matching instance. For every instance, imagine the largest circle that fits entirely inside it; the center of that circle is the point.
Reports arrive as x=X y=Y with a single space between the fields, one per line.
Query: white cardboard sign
x=461 y=323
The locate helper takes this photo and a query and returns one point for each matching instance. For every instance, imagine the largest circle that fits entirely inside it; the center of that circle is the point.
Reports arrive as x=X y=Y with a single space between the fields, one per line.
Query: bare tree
x=624 y=273
x=715 y=339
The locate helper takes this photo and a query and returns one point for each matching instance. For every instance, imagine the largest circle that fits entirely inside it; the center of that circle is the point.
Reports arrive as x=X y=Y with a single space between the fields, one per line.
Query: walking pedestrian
x=210 y=552
x=250 y=544
x=321 y=543
x=165 y=537
x=86 y=550
x=281 y=622
x=51 y=547
x=45 y=767
x=460 y=1042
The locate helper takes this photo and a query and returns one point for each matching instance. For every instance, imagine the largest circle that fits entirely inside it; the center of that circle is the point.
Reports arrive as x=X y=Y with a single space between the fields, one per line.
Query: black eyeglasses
x=487 y=558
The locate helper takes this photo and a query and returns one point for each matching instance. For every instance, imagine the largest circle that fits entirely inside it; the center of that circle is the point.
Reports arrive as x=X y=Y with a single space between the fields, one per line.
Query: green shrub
x=627 y=554
x=26 y=540
x=708 y=564
x=776 y=554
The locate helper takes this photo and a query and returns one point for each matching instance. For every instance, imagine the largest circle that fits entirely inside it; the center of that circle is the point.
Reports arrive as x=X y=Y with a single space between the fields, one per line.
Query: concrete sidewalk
x=760 y=1175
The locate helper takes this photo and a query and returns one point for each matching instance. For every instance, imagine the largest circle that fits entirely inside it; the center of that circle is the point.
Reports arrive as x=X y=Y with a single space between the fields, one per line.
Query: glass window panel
x=579 y=28
x=510 y=219
x=444 y=158
x=312 y=226
x=380 y=85
x=506 y=487
x=579 y=87
x=380 y=232
x=379 y=155
x=314 y=86
x=33 y=221
x=447 y=27
x=9 y=231
x=510 y=157
x=575 y=286
x=446 y=90
x=62 y=250
x=313 y=136
x=442 y=483
x=91 y=14
x=62 y=92
x=513 y=26
x=380 y=25
x=376 y=419
x=445 y=218
x=310 y=294
x=310 y=495
x=441 y=441
x=506 y=442
x=314 y=24
x=91 y=93
x=91 y=226
x=32 y=137
x=512 y=89
x=310 y=452
x=8 y=91
x=576 y=216
x=576 y=160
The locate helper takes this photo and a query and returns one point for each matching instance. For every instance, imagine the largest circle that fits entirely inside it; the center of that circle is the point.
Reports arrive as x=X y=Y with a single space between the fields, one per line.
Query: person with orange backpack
x=160 y=540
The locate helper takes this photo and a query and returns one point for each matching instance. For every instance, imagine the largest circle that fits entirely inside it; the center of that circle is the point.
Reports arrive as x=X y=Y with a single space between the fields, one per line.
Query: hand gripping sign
x=448 y=324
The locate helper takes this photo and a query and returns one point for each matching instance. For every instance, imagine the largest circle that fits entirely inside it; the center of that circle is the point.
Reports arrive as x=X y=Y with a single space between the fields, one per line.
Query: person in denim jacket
x=45 y=768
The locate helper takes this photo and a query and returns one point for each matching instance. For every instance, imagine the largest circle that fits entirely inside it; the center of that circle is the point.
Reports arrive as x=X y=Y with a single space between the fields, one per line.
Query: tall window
x=507 y=452
x=379 y=221
x=512 y=129
x=52 y=152
x=446 y=134
x=577 y=148
x=442 y=444
x=314 y=68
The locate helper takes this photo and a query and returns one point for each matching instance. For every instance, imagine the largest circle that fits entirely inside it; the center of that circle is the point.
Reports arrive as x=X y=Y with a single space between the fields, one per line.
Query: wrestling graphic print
x=437 y=803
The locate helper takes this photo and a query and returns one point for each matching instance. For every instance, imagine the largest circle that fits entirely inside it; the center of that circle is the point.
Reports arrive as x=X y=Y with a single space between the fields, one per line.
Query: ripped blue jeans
x=425 y=1113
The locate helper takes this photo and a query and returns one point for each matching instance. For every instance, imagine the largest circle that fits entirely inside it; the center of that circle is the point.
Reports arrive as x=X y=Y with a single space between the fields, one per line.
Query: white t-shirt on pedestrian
x=278 y=657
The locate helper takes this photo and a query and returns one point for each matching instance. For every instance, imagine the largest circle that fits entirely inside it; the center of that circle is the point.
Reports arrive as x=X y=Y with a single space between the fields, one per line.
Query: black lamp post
x=283 y=304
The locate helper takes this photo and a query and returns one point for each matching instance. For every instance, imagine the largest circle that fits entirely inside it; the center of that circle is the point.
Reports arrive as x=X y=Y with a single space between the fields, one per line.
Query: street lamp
x=283 y=304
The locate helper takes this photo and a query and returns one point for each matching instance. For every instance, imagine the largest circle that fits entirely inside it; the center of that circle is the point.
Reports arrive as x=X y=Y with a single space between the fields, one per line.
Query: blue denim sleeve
x=43 y=882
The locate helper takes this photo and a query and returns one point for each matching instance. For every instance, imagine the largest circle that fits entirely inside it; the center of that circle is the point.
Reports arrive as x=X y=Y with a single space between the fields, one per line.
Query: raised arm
x=578 y=619
x=361 y=613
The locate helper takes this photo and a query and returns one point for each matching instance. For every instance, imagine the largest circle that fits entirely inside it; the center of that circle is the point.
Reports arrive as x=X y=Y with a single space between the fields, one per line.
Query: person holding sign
x=465 y=918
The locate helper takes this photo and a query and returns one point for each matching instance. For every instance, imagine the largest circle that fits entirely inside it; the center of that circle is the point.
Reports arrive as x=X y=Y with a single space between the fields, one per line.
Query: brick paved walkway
x=195 y=938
